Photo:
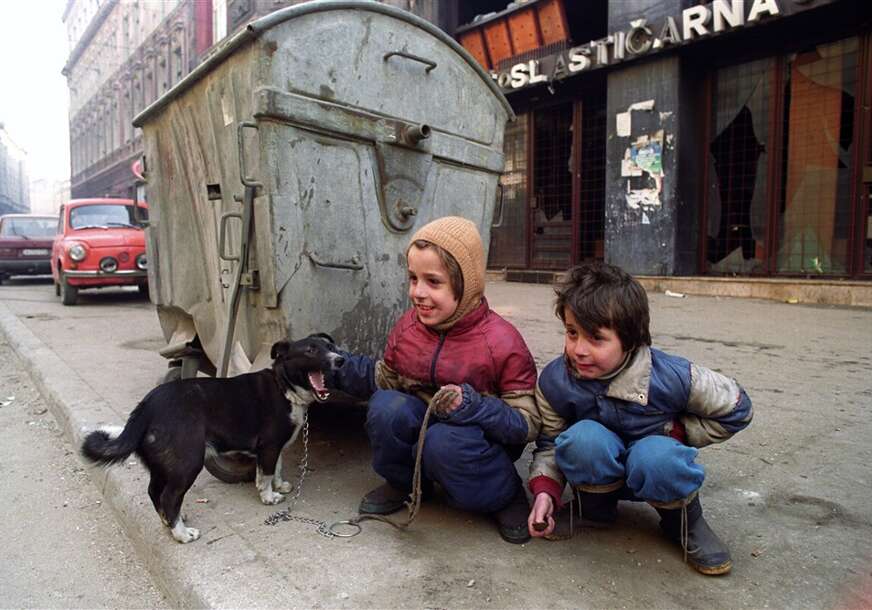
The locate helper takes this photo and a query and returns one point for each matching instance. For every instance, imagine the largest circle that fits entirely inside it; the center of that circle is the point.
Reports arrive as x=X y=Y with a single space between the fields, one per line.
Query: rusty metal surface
x=356 y=140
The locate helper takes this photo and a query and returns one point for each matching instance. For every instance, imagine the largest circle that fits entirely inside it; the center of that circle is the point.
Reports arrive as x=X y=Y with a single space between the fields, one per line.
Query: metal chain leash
x=440 y=400
x=285 y=515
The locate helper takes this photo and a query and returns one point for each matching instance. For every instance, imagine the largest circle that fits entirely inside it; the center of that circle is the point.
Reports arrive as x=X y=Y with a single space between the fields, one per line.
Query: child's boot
x=512 y=518
x=687 y=527
x=598 y=509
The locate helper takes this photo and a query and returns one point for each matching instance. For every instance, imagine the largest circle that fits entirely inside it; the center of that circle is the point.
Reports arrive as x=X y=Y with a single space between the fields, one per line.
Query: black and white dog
x=260 y=413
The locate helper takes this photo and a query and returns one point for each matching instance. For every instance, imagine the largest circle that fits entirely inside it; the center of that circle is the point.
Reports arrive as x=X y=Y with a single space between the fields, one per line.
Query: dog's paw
x=270 y=497
x=284 y=487
x=186 y=534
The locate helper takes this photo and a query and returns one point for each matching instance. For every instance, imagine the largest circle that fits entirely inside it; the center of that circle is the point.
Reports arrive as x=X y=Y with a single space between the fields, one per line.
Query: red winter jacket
x=481 y=349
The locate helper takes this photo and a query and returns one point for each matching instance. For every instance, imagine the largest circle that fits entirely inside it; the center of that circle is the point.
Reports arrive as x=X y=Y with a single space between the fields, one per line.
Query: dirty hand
x=447 y=400
x=541 y=515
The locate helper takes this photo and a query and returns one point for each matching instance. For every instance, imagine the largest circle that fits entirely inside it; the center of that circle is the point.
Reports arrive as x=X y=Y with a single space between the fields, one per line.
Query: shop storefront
x=728 y=138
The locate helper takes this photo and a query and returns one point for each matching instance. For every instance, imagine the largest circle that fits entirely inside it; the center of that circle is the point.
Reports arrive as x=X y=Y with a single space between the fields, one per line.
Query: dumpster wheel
x=231 y=468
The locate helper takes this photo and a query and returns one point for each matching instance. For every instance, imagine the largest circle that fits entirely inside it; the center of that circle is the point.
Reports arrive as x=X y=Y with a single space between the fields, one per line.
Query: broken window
x=814 y=207
x=737 y=197
x=552 y=187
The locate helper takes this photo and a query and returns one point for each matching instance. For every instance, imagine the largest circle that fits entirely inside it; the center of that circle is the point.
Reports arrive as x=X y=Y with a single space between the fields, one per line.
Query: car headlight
x=141 y=262
x=108 y=264
x=77 y=252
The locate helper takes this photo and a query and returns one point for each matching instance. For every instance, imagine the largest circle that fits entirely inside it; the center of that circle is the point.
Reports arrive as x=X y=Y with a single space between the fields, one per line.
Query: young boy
x=621 y=420
x=450 y=339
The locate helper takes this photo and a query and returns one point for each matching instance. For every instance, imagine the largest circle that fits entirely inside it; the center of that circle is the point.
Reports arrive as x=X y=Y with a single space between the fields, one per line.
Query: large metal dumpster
x=286 y=173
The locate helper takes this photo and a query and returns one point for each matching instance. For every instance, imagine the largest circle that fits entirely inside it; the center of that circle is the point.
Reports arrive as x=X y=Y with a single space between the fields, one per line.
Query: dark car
x=25 y=244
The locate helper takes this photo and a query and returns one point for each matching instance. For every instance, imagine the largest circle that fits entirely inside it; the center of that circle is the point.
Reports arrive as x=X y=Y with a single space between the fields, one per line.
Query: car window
x=103 y=216
x=28 y=227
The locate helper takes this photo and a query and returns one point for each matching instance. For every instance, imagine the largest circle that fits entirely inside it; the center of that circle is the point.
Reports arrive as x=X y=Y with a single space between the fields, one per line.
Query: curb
x=191 y=576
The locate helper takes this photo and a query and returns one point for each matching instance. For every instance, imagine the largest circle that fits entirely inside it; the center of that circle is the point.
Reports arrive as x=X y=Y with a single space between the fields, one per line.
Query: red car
x=100 y=242
x=25 y=244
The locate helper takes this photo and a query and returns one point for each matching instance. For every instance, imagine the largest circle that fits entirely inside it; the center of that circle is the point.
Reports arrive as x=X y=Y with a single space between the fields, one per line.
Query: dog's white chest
x=300 y=400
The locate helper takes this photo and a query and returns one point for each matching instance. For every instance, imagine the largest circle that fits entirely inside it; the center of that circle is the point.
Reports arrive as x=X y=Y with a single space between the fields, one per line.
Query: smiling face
x=592 y=355
x=430 y=286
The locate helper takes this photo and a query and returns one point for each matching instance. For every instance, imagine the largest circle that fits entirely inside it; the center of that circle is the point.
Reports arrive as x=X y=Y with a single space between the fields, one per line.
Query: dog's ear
x=279 y=348
x=326 y=337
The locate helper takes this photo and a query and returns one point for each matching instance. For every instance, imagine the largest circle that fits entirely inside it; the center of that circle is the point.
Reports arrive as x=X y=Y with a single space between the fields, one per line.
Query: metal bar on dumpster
x=233 y=306
x=431 y=65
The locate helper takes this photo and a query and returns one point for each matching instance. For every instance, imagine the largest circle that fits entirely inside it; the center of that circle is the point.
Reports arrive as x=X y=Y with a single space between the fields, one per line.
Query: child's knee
x=387 y=407
x=663 y=469
x=587 y=441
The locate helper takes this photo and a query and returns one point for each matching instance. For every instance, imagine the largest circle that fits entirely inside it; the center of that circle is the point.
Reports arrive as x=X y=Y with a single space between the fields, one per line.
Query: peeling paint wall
x=642 y=167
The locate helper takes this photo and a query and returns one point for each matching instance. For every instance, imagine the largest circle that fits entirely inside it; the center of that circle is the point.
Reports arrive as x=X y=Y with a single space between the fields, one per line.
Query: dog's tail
x=110 y=445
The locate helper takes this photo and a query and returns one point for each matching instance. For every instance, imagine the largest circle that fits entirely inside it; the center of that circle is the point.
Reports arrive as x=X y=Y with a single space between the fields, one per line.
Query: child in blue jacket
x=620 y=419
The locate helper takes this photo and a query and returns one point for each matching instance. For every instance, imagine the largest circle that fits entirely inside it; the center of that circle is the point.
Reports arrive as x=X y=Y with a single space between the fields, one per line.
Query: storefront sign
x=641 y=39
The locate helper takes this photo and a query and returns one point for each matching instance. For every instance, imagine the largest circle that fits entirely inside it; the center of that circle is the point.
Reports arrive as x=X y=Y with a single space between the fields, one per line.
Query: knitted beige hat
x=460 y=238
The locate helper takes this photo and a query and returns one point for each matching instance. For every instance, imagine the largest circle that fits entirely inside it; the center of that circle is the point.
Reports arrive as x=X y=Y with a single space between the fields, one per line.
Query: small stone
x=342 y=596
x=471 y=583
x=756 y=552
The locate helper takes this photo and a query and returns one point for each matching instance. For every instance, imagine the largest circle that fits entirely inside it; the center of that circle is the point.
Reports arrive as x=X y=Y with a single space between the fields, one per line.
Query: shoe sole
x=719 y=570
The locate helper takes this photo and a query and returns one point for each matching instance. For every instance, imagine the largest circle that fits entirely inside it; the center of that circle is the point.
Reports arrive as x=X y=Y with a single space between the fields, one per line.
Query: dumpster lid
x=255 y=28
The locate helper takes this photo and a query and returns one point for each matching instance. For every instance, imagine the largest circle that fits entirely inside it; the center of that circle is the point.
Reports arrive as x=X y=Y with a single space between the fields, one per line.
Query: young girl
x=621 y=420
x=450 y=339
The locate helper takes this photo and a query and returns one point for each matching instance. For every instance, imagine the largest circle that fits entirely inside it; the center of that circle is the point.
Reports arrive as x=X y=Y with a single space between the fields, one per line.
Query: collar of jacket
x=633 y=382
x=468 y=321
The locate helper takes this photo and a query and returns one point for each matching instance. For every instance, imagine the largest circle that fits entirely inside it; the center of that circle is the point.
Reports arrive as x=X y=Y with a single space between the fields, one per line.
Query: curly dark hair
x=605 y=296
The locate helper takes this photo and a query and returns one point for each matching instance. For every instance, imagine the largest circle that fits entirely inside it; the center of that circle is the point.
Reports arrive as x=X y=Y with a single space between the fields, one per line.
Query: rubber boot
x=383 y=500
x=703 y=549
x=598 y=509
x=512 y=518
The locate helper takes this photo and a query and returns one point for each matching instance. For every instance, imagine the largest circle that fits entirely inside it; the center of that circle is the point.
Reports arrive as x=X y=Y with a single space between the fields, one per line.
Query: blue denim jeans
x=477 y=475
x=657 y=468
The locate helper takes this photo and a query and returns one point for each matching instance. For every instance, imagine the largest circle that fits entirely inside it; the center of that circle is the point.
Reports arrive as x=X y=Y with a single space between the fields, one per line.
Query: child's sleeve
x=545 y=475
x=717 y=408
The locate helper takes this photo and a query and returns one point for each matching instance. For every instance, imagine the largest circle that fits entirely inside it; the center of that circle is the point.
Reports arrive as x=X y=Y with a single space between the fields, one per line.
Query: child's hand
x=541 y=515
x=447 y=400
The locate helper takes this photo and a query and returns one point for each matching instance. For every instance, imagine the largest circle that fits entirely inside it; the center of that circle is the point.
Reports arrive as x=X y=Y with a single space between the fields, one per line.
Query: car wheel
x=69 y=294
x=2 y=278
x=143 y=290
x=231 y=468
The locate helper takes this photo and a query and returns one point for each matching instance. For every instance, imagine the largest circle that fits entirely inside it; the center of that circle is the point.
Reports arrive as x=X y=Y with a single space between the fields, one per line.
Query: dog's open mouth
x=316 y=380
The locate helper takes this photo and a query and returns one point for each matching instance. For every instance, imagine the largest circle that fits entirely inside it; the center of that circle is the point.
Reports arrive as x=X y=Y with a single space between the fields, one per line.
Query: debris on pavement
x=677 y=295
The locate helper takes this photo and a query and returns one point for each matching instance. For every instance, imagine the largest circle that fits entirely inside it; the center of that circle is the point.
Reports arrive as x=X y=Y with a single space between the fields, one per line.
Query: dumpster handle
x=243 y=173
x=431 y=65
x=222 y=235
x=499 y=223
x=354 y=264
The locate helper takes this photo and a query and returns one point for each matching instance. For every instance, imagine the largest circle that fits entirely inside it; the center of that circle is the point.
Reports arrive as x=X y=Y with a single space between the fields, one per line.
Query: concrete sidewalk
x=790 y=495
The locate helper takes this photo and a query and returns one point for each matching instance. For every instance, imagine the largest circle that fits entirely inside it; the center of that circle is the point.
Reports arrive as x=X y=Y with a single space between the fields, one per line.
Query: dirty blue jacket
x=657 y=393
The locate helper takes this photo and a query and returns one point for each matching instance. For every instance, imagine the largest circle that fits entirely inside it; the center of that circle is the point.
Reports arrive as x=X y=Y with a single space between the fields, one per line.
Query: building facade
x=14 y=183
x=672 y=137
x=124 y=54
x=684 y=138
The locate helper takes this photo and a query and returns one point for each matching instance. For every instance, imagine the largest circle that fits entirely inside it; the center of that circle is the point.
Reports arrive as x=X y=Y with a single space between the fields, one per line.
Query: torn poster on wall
x=642 y=165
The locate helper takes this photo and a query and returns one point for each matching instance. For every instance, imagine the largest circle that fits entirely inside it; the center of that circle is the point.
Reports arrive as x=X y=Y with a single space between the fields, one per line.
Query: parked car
x=25 y=244
x=100 y=242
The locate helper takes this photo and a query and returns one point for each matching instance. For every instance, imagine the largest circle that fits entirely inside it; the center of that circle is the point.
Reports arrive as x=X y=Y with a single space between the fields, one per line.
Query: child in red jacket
x=450 y=339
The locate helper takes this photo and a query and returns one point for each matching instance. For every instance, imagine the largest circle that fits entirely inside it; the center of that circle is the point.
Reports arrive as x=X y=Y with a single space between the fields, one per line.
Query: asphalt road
x=62 y=546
